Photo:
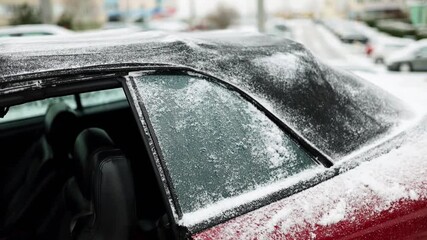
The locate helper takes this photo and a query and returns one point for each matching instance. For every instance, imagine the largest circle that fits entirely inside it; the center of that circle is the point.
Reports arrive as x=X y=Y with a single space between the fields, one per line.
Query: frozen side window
x=215 y=143
x=35 y=109
x=102 y=97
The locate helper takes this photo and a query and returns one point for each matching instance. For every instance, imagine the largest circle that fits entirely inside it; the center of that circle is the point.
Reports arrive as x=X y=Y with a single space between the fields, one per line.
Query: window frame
x=36 y=89
x=23 y=91
x=33 y=87
x=164 y=176
x=76 y=98
x=36 y=117
x=147 y=133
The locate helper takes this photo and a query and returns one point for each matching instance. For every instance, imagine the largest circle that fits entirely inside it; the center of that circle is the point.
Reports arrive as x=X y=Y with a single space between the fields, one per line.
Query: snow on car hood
x=336 y=111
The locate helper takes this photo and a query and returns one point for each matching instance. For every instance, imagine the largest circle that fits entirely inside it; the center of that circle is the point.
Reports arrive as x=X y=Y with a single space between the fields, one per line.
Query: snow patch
x=335 y=215
x=218 y=208
x=280 y=64
x=354 y=196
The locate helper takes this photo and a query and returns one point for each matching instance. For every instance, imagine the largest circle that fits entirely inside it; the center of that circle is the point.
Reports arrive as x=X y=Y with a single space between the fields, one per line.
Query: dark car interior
x=79 y=173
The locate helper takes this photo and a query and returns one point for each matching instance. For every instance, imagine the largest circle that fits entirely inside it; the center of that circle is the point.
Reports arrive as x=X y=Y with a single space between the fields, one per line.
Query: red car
x=202 y=136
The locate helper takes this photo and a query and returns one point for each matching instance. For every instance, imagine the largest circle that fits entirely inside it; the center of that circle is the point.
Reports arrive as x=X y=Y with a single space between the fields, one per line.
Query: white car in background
x=168 y=25
x=410 y=58
x=382 y=47
x=33 y=30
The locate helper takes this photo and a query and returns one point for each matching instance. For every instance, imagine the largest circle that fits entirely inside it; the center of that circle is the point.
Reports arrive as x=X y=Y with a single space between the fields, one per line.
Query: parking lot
x=410 y=87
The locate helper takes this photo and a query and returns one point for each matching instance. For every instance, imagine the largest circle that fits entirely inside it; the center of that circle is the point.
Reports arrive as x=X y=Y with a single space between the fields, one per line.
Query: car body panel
x=385 y=198
x=405 y=220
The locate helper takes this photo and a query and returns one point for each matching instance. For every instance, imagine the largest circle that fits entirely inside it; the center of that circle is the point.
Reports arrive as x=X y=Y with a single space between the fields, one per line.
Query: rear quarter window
x=216 y=144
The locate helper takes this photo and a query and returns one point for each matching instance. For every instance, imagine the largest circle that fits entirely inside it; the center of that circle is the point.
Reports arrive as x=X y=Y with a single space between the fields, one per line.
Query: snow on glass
x=216 y=144
x=353 y=197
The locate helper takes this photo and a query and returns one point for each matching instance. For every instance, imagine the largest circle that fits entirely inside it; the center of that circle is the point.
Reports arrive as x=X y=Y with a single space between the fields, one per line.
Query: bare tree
x=83 y=14
x=46 y=11
x=25 y=14
x=222 y=17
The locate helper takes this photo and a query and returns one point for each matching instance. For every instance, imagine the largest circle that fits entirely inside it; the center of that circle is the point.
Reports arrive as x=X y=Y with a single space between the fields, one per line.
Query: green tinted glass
x=35 y=109
x=97 y=98
x=215 y=143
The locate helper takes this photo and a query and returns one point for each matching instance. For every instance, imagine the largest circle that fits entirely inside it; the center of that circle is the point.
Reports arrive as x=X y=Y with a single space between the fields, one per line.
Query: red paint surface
x=385 y=198
x=404 y=220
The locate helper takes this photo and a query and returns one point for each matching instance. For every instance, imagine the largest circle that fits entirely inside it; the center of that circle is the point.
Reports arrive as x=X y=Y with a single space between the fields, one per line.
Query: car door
x=420 y=61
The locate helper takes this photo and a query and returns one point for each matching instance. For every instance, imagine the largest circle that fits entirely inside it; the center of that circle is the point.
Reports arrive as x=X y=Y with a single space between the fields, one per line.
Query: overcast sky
x=245 y=7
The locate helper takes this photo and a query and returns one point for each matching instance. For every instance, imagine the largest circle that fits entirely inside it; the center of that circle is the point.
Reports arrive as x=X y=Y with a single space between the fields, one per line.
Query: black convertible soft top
x=334 y=110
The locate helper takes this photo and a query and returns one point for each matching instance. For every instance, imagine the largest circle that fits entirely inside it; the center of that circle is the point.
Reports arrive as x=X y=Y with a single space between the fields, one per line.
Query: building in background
x=83 y=14
x=90 y=13
x=365 y=9
x=418 y=13
x=374 y=10
x=6 y=5
x=330 y=9
x=353 y=9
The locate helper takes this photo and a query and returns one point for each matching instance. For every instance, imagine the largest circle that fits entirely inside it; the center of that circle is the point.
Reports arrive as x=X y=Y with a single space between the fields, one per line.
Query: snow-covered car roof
x=337 y=112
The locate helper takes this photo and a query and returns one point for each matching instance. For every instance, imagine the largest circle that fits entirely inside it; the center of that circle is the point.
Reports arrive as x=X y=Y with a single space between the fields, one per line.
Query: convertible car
x=202 y=136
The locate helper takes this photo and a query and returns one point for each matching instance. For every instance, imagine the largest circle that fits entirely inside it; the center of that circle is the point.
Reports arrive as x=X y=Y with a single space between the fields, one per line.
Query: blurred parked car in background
x=411 y=58
x=381 y=47
x=397 y=28
x=33 y=30
x=169 y=25
x=346 y=32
